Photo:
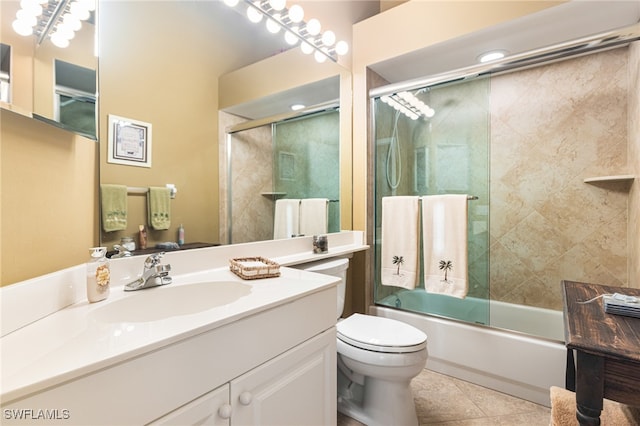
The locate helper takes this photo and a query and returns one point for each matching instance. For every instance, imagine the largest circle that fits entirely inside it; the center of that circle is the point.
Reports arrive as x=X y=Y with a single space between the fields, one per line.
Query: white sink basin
x=167 y=301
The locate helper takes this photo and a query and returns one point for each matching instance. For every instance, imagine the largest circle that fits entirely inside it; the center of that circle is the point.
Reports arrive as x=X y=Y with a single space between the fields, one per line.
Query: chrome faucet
x=153 y=275
x=121 y=251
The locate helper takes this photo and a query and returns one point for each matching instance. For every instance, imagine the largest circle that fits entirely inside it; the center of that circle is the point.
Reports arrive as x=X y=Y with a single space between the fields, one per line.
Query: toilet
x=377 y=359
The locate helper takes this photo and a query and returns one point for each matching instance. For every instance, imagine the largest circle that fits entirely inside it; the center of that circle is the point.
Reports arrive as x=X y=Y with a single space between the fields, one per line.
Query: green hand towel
x=114 y=207
x=159 y=208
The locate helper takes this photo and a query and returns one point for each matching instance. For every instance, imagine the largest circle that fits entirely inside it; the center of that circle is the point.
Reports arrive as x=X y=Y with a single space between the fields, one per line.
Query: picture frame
x=129 y=142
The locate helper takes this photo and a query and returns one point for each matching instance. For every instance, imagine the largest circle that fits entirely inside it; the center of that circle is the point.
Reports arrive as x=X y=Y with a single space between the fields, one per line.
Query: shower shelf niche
x=273 y=195
x=613 y=179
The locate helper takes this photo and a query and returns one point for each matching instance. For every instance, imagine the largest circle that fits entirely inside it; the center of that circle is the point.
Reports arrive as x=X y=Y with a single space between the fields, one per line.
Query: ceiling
x=569 y=21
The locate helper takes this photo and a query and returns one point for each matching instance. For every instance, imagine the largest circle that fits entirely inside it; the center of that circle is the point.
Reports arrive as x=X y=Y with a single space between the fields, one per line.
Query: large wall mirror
x=172 y=81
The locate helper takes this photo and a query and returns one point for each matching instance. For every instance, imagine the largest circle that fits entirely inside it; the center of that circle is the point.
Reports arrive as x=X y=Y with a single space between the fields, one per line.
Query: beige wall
x=634 y=165
x=48 y=201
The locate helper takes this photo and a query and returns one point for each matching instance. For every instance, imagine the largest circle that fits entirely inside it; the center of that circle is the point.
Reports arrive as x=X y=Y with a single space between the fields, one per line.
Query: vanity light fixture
x=309 y=34
x=56 y=19
x=493 y=55
x=408 y=104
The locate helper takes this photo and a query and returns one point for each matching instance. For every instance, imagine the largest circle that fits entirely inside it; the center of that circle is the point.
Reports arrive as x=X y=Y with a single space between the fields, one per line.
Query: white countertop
x=80 y=339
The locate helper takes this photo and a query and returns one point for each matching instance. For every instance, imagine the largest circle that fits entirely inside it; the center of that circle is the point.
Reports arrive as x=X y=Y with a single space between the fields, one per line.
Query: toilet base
x=378 y=402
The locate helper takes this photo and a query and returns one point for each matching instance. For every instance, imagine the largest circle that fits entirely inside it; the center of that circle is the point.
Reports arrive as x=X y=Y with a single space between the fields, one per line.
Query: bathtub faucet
x=154 y=274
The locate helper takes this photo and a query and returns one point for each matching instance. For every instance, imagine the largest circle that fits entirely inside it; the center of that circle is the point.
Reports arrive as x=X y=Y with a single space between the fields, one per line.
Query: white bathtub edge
x=519 y=365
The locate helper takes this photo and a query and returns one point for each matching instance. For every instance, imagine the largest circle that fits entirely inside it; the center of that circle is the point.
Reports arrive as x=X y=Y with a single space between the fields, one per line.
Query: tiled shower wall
x=312 y=145
x=251 y=174
x=552 y=127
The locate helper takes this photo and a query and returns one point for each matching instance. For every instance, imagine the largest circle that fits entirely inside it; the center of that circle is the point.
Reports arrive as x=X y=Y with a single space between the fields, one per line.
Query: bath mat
x=563 y=410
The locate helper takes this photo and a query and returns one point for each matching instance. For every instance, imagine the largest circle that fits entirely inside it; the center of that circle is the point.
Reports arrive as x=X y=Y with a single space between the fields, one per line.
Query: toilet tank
x=336 y=267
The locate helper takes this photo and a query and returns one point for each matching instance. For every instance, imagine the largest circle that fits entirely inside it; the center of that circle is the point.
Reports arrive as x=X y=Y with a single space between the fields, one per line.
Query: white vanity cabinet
x=273 y=365
x=212 y=409
x=295 y=388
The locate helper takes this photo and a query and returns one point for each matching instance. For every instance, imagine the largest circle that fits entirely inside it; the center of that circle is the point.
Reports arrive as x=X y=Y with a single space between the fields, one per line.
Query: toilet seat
x=380 y=334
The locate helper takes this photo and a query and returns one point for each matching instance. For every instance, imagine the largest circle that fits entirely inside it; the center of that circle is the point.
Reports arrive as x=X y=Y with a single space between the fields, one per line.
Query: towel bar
x=141 y=190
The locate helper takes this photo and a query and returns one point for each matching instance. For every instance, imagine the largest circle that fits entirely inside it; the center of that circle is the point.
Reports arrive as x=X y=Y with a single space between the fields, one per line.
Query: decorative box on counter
x=252 y=268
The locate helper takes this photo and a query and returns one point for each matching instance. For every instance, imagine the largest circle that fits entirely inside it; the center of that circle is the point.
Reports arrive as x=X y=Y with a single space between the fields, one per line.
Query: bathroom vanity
x=209 y=348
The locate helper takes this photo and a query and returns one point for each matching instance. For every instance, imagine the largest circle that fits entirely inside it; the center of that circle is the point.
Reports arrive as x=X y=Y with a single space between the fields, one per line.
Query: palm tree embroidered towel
x=159 y=207
x=286 y=218
x=400 y=241
x=444 y=239
x=314 y=216
x=113 y=200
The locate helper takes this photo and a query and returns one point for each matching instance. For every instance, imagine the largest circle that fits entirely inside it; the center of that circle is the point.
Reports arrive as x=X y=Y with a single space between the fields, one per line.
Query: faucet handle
x=153 y=260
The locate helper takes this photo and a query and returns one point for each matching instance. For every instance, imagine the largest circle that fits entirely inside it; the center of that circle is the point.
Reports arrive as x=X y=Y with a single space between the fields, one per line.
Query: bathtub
x=534 y=321
x=513 y=362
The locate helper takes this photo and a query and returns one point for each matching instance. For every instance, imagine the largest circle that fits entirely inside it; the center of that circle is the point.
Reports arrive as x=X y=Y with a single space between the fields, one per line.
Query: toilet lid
x=380 y=334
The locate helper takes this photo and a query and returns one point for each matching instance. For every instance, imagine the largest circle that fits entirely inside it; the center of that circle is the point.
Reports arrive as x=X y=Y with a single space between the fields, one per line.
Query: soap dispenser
x=98 y=275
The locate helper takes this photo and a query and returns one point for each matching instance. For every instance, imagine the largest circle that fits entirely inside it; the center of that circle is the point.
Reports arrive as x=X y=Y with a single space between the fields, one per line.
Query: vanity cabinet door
x=295 y=388
x=211 y=409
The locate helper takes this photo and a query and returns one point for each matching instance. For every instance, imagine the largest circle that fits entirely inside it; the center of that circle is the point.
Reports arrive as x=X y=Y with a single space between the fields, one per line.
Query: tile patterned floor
x=446 y=401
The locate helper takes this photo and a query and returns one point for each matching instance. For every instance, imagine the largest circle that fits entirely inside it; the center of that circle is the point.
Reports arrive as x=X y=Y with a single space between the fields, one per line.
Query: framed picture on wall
x=129 y=142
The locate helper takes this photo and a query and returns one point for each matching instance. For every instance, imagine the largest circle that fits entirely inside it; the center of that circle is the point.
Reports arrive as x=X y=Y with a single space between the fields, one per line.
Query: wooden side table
x=607 y=349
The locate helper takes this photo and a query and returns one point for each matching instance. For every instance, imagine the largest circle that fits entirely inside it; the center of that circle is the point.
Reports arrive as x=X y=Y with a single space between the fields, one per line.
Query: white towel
x=314 y=214
x=286 y=218
x=444 y=237
x=400 y=239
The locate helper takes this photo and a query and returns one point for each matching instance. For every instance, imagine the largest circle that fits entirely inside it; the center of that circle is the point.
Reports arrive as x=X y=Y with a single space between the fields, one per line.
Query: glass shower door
x=444 y=150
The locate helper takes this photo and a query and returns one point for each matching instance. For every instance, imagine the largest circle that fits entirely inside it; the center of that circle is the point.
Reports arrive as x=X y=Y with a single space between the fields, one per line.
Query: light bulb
x=306 y=48
x=72 y=22
x=296 y=13
x=253 y=14
x=314 y=27
x=90 y=5
x=59 y=40
x=65 y=32
x=32 y=7
x=290 y=37
x=80 y=12
x=328 y=38
x=272 y=26
x=277 y=4
x=342 y=48
x=22 y=28
x=26 y=18
x=231 y=3
x=319 y=57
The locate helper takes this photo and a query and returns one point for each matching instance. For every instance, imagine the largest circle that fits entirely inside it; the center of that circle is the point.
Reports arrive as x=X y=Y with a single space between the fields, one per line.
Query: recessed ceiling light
x=297 y=107
x=492 y=56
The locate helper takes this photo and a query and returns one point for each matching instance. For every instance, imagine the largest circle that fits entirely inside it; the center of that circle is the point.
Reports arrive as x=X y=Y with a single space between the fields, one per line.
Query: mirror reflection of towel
x=286 y=218
x=159 y=207
x=314 y=214
x=400 y=226
x=444 y=239
x=113 y=200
